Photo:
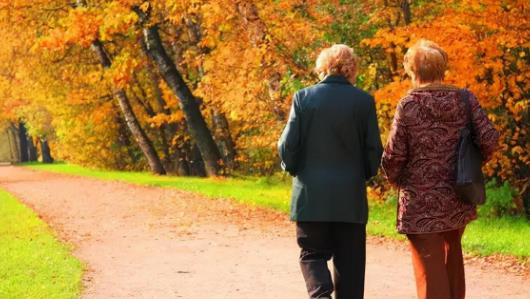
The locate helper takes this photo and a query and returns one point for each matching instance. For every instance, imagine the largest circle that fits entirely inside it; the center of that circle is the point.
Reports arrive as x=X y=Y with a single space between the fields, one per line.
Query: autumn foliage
x=242 y=61
x=488 y=45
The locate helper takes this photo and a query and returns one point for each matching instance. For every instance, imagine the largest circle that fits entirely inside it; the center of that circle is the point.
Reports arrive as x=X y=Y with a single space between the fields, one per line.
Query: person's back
x=424 y=158
x=331 y=170
x=331 y=146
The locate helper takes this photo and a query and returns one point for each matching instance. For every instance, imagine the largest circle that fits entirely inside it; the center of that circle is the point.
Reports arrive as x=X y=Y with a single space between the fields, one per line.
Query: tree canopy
x=204 y=87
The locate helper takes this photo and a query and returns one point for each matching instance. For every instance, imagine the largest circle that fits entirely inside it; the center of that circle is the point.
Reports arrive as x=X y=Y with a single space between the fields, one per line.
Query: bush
x=499 y=201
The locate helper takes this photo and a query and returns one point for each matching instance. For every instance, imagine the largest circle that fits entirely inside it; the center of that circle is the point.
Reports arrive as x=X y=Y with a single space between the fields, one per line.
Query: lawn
x=508 y=235
x=33 y=263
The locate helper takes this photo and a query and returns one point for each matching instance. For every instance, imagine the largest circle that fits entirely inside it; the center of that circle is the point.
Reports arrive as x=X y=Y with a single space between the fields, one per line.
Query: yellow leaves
x=233 y=115
x=170 y=99
x=208 y=42
x=517 y=150
x=145 y=6
x=129 y=3
x=117 y=19
x=232 y=70
x=158 y=120
x=519 y=108
x=93 y=77
x=161 y=119
x=78 y=97
x=208 y=65
x=123 y=67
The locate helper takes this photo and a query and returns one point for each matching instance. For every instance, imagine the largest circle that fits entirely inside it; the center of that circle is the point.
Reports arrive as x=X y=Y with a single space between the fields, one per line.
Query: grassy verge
x=487 y=236
x=33 y=263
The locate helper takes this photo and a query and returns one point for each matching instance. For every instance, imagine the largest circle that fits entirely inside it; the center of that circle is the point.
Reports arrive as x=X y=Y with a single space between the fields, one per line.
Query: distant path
x=143 y=242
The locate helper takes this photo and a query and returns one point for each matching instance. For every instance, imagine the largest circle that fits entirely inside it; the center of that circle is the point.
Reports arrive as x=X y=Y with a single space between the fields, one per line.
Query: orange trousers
x=438 y=265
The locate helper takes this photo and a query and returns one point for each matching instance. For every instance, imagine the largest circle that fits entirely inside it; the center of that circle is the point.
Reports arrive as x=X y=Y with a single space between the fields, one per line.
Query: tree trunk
x=196 y=162
x=45 y=151
x=178 y=162
x=139 y=134
x=181 y=164
x=173 y=161
x=405 y=9
x=124 y=140
x=23 y=140
x=131 y=120
x=32 y=149
x=220 y=125
x=196 y=124
x=13 y=143
x=227 y=145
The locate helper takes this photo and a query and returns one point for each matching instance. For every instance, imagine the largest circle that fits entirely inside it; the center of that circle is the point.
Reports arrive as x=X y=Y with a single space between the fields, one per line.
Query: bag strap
x=464 y=95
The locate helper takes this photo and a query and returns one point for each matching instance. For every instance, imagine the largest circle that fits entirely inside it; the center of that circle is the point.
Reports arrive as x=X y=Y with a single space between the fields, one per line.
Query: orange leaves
x=82 y=26
x=246 y=63
x=487 y=44
x=123 y=67
x=79 y=27
x=250 y=67
x=54 y=41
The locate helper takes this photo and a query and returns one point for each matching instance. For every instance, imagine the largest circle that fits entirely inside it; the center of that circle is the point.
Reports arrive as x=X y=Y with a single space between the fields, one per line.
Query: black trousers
x=346 y=244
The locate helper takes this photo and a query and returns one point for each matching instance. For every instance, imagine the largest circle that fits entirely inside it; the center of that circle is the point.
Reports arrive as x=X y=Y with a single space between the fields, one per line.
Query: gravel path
x=143 y=242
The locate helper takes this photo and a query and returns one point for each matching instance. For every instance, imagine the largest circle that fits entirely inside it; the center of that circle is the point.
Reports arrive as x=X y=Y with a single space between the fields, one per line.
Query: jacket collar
x=338 y=79
x=435 y=87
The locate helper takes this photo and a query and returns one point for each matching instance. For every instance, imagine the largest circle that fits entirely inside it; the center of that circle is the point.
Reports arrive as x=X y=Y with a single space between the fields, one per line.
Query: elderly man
x=331 y=145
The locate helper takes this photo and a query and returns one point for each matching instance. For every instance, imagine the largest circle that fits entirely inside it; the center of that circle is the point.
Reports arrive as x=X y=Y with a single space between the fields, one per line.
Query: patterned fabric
x=420 y=157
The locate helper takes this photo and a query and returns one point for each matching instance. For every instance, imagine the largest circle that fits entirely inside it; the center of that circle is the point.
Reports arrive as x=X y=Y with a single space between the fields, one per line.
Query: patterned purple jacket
x=420 y=157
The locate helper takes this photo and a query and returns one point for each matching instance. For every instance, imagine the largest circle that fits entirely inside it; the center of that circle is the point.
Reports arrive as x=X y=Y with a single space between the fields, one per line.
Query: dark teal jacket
x=331 y=145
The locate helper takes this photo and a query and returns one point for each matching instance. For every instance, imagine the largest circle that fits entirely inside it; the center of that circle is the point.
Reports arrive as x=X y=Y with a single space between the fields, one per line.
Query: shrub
x=499 y=201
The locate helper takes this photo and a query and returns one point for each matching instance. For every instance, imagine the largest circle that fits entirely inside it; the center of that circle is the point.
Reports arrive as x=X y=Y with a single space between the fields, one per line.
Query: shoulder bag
x=470 y=186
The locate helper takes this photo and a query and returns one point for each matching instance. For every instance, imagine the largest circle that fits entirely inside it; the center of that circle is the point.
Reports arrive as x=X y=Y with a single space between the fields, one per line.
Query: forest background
x=203 y=88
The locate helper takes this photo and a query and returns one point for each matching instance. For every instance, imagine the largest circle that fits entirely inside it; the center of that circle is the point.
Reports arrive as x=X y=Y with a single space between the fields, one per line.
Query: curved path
x=143 y=242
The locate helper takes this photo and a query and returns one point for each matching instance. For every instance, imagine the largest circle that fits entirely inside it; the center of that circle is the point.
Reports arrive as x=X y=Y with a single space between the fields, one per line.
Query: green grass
x=382 y=220
x=267 y=192
x=505 y=235
x=486 y=236
x=33 y=263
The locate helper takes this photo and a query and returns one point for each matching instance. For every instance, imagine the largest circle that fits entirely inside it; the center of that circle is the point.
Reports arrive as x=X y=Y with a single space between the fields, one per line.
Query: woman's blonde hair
x=426 y=61
x=337 y=60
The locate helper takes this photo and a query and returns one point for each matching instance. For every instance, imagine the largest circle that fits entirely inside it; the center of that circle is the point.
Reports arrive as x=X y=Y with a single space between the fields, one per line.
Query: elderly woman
x=331 y=146
x=420 y=159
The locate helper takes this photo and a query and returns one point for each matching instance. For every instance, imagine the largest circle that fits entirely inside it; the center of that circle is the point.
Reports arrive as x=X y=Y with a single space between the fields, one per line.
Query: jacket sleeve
x=396 y=151
x=289 y=145
x=485 y=135
x=373 y=146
